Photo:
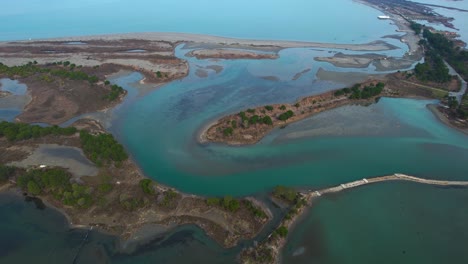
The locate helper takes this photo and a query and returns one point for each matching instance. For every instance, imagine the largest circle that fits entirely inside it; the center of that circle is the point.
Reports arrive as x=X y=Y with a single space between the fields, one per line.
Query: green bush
x=286 y=115
x=228 y=131
x=147 y=186
x=282 y=231
x=256 y=211
x=33 y=188
x=213 y=201
x=285 y=193
x=269 y=107
x=267 y=120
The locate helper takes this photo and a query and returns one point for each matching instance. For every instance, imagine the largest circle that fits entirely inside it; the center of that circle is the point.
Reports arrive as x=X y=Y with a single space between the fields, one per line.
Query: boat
x=383 y=17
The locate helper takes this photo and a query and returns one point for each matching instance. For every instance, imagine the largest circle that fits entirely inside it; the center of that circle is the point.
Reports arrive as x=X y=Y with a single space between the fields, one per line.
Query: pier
x=309 y=196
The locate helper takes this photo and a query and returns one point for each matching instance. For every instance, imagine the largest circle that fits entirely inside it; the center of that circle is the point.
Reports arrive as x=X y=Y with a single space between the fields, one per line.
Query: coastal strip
x=269 y=250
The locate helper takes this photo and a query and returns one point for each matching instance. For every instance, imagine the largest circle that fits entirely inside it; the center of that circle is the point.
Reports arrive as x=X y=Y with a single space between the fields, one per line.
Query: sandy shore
x=229 y=54
x=442 y=118
x=198 y=38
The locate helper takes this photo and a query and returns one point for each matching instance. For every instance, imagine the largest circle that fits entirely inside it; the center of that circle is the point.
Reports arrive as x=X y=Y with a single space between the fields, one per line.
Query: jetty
x=273 y=246
x=395 y=177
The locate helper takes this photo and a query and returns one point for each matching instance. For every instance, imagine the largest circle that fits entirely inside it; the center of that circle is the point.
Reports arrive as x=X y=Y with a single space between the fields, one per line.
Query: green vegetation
x=254 y=210
x=281 y=231
x=104 y=188
x=438 y=47
x=228 y=203
x=433 y=69
x=21 y=71
x=102 y=148
x=115 y=92
x=416 y=27
x=286 y=115
x=367 y=92
x=20 y=131
x=56 y=182
x=234 y=124
x=254 y=119
x=282 y=107
x=267 y=120
x=228 y=131
x=147 y=186
x=243 y=116
x=6 y=172
x=341 y=92
x=252 y=111
x=159 y=74
x=131 y=203
x=269 y=107
x=170 y=197
x=285 y=193
x=297 y=105
x=213 y=201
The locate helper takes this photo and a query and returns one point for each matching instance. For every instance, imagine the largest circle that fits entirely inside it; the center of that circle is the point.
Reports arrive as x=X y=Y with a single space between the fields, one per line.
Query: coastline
x=178 y=38
x=443 y=119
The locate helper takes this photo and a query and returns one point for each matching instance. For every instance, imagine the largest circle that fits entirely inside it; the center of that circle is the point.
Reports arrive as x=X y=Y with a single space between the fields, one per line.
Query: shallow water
x=385 y=223
x=395 y=135
x=43 y=236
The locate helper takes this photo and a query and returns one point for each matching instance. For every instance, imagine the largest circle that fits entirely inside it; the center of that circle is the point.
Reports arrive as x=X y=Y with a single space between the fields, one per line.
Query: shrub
x=228 y=131
x=286 y=115
x=282 y=231
x=147 y=186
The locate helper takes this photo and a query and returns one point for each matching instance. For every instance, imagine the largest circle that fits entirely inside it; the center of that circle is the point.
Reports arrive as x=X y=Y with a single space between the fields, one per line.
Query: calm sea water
x=160 y=131
x=386 y=223
x=326 y=21
x=41 y=236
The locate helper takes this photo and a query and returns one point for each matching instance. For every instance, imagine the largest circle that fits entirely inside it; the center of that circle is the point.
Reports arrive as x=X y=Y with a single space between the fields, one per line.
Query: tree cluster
x=57 y=183
x=285 y=193
x=102 y=148
x=6 y=172
x=367 y=92
x=115 y=92
x=21 y=131
x=228 y=203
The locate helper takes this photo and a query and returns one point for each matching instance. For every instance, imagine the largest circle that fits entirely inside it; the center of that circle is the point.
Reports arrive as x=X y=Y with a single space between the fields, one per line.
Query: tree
x=147 y=186
x=267 y=120
x=282 y=231
x=33 y=188
x=6 y=172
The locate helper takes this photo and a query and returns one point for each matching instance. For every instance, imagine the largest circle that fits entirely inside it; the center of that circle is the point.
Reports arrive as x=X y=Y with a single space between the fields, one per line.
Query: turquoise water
x=262 y=19
x=348 y=143
x=161 y=130
x=385 y=223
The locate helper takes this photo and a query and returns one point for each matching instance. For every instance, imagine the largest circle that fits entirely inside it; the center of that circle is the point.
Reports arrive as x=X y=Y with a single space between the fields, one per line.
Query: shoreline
x=274 y=245
x=443 y=119
x=178 y=38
